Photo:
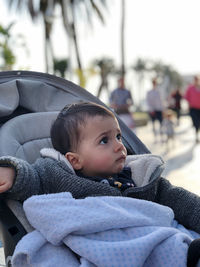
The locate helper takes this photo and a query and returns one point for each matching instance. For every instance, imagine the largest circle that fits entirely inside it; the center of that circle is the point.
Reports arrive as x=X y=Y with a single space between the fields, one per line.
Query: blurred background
x=94 y=42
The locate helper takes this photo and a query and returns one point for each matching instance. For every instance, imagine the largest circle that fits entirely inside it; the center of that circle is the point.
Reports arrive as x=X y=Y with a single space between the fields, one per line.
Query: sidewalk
x=182 y=157
x=2 y=261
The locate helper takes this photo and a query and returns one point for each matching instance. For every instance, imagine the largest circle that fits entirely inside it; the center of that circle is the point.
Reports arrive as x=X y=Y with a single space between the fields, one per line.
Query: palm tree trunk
x=123 y=71
x=71 y=31
x=46 y=48
x=103 y=84
x=64 y=7
x=78 y=58
x=76 y=47
x=49 y=54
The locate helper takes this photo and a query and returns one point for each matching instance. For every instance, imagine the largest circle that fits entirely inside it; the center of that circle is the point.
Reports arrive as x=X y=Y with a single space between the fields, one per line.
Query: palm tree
x=60 y=66
x=169 y=77
x=69 y=17
x=45 y=10
x=122 y=39
x=158 y=68
x=106 y=67
x=140 y=67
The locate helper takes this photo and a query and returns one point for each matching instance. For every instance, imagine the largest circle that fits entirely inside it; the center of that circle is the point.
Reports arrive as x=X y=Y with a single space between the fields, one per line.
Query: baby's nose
x=119 y=146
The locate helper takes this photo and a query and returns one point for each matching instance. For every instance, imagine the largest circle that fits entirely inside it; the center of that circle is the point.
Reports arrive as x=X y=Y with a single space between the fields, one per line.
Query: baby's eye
x=119 y=137
x=104 y=140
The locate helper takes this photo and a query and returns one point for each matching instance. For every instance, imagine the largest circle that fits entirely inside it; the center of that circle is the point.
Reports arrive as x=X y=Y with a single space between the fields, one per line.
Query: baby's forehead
x=99 y=117
x=88 y=118
x=100 y=121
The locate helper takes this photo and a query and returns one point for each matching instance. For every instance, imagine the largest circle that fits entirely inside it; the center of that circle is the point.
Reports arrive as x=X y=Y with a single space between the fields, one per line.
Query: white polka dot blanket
x=101 y=231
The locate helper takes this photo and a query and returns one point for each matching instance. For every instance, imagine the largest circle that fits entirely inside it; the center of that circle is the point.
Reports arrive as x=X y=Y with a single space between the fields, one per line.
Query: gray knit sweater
x=53 y=173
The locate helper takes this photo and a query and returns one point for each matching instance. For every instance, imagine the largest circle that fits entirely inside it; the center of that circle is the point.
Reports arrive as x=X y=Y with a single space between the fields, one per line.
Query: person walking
x=176 y=96
x=155 y=107
x=121 y=100
x=168 y=127
x=192 y=95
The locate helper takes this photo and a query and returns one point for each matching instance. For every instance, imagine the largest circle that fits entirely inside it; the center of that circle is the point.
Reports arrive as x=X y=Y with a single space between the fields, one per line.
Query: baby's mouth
x=121 y=158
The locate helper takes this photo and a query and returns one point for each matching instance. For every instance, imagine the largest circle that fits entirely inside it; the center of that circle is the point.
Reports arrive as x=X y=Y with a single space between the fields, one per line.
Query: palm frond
x=97 y=10
x=65 y=9
x=31 y=9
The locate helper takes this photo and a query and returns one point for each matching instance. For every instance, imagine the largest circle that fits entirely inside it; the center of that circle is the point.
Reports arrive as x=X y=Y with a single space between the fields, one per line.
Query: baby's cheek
x=103 y=162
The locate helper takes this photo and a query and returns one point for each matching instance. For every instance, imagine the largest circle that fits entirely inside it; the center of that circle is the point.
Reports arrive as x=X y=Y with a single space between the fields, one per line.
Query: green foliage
x=158 y=69
x=140 y=65
x=3 y=31
x=106 y=65
x=60 y=66
x=71 y=13
x=162 y=70
x=7 y=56
x=8 y=44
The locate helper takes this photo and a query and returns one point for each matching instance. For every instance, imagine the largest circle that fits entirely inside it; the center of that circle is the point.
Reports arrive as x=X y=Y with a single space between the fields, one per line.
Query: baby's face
x=101 y=150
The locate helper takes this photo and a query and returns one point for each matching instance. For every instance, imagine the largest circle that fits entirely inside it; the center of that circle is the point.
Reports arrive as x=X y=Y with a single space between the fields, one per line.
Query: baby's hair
x=65 y=131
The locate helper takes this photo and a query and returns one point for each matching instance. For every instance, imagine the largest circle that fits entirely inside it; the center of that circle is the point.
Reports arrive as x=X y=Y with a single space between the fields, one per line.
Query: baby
x=91 y=143
x=89 y=159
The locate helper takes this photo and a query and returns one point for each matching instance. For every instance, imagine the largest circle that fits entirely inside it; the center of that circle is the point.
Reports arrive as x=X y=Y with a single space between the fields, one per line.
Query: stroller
x=29 y=102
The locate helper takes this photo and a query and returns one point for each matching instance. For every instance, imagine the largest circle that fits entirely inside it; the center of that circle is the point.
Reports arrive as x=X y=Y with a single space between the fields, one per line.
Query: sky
x=159 y=29
x=166 y=30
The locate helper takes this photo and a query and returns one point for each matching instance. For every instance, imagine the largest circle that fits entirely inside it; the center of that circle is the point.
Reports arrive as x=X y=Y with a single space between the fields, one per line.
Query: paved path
x=2 y=261
x=182 y=158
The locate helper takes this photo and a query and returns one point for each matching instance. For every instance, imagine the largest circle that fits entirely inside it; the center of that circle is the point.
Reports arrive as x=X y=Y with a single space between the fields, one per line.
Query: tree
x=69 y=8
x=45 y=10
x=8 y=44
x=123 y=71
x=157 y=67
x=140 y=67
x=60 y=66
x=6 y=54
x=69 y=16
x=106 y=67
x=167 y=73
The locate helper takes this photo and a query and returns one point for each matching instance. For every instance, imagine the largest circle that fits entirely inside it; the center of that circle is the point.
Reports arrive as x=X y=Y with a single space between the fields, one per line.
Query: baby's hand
x=7 y=176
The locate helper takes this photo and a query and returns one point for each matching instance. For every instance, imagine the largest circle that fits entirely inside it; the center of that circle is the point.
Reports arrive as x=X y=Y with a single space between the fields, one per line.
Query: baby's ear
x=74 y=160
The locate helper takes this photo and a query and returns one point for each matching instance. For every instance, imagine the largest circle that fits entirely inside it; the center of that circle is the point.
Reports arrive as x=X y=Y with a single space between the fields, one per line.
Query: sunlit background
x=147 y=38
x=160 y=32
x=93 y=42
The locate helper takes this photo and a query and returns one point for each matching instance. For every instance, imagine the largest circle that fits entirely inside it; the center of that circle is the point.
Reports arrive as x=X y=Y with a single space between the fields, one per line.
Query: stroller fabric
x=9 y=99
x=102 y=231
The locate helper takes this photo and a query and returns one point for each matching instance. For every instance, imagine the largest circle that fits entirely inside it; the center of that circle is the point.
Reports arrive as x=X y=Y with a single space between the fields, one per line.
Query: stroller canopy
x=32 y=92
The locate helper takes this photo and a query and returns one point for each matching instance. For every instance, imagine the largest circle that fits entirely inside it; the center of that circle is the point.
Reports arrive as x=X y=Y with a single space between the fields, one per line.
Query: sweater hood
x=144 y=168
x=54 y=154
